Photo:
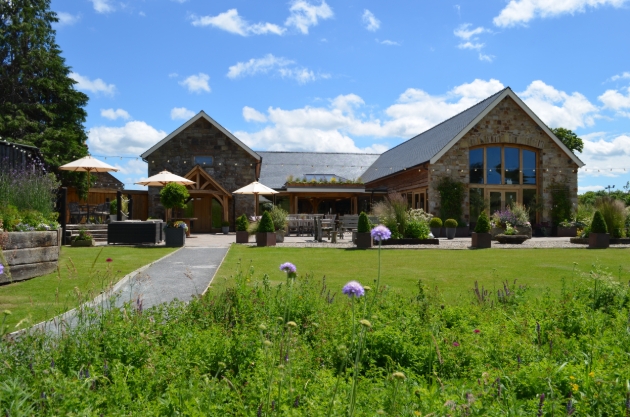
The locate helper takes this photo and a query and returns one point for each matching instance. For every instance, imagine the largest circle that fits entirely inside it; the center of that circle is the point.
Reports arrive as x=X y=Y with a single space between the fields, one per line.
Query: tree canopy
x=39 y=105
x=570 y=139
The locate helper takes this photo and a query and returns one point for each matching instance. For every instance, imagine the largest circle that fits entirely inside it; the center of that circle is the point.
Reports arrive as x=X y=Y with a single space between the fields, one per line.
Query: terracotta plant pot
x=598 y=240
x=481 y=240
x=266 y=239
x=242 y=237
x=364 y=240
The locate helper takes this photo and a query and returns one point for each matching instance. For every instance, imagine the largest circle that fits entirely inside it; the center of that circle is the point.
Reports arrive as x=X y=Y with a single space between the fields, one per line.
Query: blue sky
x=346 y=76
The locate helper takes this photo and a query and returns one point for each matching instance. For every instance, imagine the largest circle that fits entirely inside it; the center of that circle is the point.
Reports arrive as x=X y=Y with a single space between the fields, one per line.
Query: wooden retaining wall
x=29 y=254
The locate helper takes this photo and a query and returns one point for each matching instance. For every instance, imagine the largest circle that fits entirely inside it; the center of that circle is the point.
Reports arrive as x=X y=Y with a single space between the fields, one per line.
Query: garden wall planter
x=598 y=240
x=174 y=237
x=481 y=240
x=266 y=239
x=525 y=231
x=364 y=240
x=511 y=239
x=82 y=243
x=30 y=254
x=450 y=232
x=409 y=241
x=242 y=237
x=566 y=231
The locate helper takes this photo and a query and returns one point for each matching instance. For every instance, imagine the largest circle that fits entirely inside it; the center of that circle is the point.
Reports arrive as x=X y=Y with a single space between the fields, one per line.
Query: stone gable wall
x=507 y=123
x=232 y=168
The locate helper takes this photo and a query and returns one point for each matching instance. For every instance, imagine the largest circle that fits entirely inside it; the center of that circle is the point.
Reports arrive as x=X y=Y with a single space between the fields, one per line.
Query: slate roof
x=426 y=145
x=277 y=166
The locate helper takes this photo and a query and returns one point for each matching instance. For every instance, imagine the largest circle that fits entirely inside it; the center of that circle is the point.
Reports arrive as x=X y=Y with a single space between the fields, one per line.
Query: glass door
x=500 y=199
x=420 y=200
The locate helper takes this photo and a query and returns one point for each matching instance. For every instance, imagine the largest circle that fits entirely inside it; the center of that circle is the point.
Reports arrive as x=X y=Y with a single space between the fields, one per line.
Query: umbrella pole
x=256 y=204
x=87 y=199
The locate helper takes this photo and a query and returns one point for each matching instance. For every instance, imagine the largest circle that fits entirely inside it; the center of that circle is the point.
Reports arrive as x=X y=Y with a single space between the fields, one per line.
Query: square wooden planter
x=481 y=240
x=242 y=237
x=598 y=240
x=364 y=240
x=266 y=239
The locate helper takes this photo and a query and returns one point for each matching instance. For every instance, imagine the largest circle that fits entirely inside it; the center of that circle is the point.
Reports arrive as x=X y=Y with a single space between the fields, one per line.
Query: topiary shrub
x=435 y=222
x=174 y=196
x=483 y=223
x=450 y=223
x=598 y=225
x=242 y=224
x=364 y=223
x=266 y=224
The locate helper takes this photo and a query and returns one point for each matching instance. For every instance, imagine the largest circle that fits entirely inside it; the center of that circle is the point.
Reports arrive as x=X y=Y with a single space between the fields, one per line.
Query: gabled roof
x=203 y=181
x=277 y=166
x=430 y=145
x=198 y=116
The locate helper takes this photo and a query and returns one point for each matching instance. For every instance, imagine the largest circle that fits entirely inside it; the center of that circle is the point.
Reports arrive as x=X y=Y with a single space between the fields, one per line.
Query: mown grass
x=454 y=272
x=81 y=271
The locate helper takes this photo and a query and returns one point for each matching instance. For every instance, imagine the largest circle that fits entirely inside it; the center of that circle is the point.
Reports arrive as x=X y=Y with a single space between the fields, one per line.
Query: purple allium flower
x=455 y=344
x=353 y=289
x=288 y=267
x=380 y=233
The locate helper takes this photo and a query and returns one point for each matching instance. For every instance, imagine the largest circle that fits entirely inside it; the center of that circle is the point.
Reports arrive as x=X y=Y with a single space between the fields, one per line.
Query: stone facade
x=506 y=123
x=233 y=167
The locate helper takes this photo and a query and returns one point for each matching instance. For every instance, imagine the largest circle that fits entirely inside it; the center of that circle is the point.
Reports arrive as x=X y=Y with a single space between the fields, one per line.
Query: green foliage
x=83 y=235
x=561 y=206
x=173 y=195
x=483 y=223
x=113 y=206
x=435 y=222
x=614 y=214
x=452 y=193
x=450 y=223
x=28 y=189
x=598 y=225
x=569 y=139
x=266 y=224
x=242 y=223
x=417 y=230
x=9 y=217
x=279 y=217
x=14 y=220
x=225 y=223
x=393 y=214
x=363 y=225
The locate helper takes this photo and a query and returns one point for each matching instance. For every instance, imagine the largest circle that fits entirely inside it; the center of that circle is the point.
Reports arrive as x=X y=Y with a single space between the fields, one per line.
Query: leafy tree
x=173 y=195
x=570 y=139
x=39 y=105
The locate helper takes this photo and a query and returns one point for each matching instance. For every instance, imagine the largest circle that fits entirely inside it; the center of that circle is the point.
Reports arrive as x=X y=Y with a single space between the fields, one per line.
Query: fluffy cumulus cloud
x=282 y=67
x=605 y=155
x=519 y=12
x=252 y=115
x=96 y=86
x=617 y=100
x=197 y=83
x=67 y=19
x=557 y=108
x=304 y=14
x=370 y=21
x=469 y=39
x=112 y=114
x=181 y=113
x=133 y=138
x=103 y=6
x=232 y=22
x=622 y=76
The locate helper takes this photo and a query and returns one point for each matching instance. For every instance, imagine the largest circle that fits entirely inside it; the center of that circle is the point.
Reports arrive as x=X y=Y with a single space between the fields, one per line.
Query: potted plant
x=266 y=234
x=83 y=239
x=436 y=226
x=511 y=235
x=451 y=228
x=567 y=229
x=175 y=234
x=225 y=227
x=481 y=237
x=279 y=219
x=598 y=237
x=364 y=237
x=242 y=224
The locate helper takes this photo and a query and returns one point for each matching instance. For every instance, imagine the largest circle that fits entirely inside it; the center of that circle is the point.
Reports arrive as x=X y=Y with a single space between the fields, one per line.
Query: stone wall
x=507 y=123
x=233 y=167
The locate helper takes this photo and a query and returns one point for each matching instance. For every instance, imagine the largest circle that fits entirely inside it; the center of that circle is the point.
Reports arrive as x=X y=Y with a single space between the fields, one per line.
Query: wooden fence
x=96 y=196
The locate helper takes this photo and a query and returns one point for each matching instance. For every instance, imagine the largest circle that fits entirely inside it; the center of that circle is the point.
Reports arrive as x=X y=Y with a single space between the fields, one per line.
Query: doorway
x=209 y=214
x=500 y=199
x=420 y=200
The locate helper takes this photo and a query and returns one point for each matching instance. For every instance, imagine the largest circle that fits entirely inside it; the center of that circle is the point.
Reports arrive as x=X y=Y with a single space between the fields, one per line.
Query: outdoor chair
x=101 y=211
x=76 y=214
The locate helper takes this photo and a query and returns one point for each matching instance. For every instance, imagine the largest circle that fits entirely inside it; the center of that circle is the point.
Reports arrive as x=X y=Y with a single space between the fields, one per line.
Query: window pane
x=510 y=198
x=203 y=160
x=529 y=201
x=512 y=166
x=495 y=202
x=493 y=165
x=476 y=203
x=476 y=166
x=529 y=167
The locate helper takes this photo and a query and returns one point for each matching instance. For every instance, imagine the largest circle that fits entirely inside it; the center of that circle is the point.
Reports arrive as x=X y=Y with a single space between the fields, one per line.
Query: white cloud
x=181 y=113
x=283 y=67
x=605 y=155
x=133 y=138
x=370 y=21
x=102 y=6
x=67 y=19
x=557 y=108
x=230 y=21
x=132 y=167
x=519 y=12
x=487 y=58
x=112 y=114
x=465 y=33
x=615 y=100
x=388 y=42
x=470 y=45
x=622 y=76
x=585 y=188
x=304 y=14
x=252 y=115
x=197 y=83
x=173 y=75
x=93 y=86
x=470 y=39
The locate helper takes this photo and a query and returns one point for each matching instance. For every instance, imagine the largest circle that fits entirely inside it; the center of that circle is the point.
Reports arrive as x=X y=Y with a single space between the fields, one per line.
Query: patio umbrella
x=163 y=178
x=88 y=164
x=255 y=188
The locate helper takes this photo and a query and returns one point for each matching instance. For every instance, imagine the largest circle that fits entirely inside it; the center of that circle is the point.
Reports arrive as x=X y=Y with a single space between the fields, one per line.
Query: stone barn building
x=499 y=149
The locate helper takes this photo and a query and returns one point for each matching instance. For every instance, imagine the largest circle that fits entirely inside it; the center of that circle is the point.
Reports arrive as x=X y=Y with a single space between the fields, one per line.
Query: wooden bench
x=350 y=222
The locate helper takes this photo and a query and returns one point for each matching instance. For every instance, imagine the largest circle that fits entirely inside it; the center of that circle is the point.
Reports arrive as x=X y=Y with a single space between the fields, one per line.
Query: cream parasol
x=163 y=178
x=255 y=188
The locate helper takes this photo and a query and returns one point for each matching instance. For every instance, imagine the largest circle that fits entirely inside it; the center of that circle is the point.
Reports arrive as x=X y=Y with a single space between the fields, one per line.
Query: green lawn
x=81 y=275
x=454 y=272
